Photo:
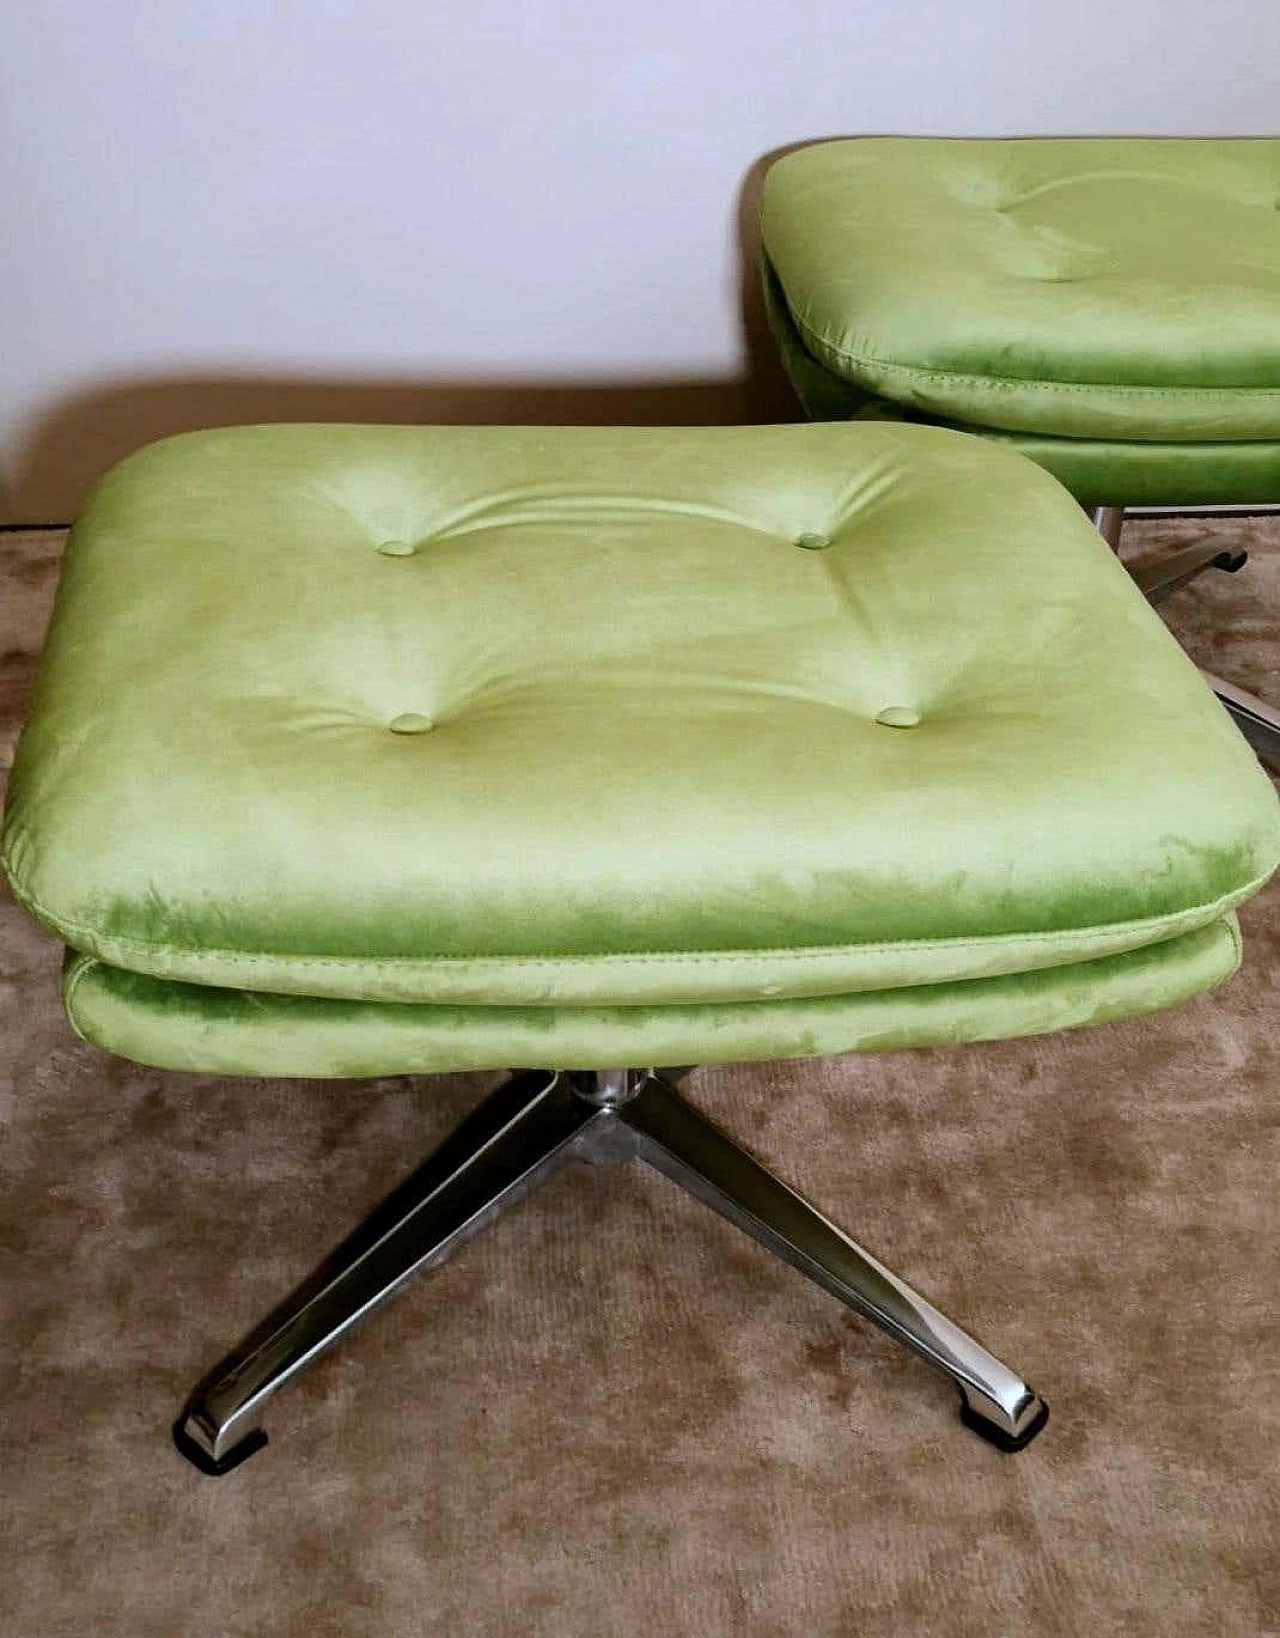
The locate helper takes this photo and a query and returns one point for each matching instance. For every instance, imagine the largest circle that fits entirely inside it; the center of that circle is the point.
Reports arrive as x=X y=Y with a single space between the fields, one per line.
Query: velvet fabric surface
x=1128 y=471
x=1038 y=286
x=347 y=713
x=1109 y=307
x=582 y=719
x=243 y=1032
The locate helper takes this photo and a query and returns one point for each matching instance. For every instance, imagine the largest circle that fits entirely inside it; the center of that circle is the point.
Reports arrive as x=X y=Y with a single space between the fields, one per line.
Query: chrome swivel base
x=520 y=1135
x=1256 y=720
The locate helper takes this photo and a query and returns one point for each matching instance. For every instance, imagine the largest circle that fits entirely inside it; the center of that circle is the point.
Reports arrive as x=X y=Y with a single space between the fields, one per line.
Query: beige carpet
x=613 y=1415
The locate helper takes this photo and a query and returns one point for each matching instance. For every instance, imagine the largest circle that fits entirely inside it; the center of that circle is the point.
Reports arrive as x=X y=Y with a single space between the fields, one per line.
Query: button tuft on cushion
x=898 y=716
x=410 y=722
x=397 y=548
x=813 y=542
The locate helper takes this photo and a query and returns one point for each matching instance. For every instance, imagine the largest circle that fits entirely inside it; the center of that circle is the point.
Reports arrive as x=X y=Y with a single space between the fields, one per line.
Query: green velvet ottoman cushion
x=1086 y=289
x=1059 y=287
x=572 y=721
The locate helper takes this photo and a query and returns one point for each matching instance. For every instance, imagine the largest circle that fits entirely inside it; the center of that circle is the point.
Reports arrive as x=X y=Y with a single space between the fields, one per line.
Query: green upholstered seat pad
x=1084 y=288
x=238 y=1032
x=653 y=662
x=1112 y=471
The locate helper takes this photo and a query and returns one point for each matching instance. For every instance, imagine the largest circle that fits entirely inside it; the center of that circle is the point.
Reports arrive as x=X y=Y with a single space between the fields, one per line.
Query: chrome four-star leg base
x=1256 y=720
x=521 y=1134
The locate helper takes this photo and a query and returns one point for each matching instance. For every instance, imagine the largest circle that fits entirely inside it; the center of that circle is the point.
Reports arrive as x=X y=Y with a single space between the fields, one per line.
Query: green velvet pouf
x=362 y=750
x=1110 y=307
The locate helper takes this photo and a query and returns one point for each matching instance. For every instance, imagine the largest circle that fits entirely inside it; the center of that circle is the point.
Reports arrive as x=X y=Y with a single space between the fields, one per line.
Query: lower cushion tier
x=1100 y=471
x=240 y=1032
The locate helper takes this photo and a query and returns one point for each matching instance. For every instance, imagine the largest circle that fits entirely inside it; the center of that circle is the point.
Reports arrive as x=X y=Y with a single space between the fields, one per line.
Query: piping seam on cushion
x=71 y=983
x=86 y=964
x=927 y=372
x=1237 y=941
x=1199 y=914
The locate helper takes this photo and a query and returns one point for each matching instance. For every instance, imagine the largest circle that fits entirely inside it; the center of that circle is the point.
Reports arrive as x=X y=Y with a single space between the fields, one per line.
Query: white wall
x=221 y=209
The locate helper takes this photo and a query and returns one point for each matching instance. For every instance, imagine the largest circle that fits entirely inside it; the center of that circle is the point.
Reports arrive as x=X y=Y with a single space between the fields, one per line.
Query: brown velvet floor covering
x=613 y=1415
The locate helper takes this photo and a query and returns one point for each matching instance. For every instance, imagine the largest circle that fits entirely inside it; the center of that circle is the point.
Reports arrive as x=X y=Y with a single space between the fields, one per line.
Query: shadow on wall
x=87 y=433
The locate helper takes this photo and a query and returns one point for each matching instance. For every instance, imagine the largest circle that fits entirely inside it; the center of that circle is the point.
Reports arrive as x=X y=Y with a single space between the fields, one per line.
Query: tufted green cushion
x=1094 y=289
x=564 y=721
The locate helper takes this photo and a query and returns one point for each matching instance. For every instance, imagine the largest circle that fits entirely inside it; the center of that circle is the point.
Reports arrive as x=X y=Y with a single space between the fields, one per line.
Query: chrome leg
x=1256 y=720
x=514 y=1140
x=684 y=1145
x=1108 y=521
x=1158 y=580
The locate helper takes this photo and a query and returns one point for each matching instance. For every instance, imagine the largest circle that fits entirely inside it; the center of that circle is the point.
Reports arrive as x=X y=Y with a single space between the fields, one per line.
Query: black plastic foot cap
x=1007 y=1442
x=215 y=1467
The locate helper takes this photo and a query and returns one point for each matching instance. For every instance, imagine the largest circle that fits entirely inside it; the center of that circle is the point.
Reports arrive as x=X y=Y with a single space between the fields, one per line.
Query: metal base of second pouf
x=1256 y=719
